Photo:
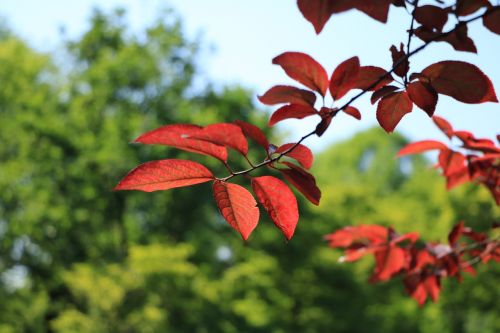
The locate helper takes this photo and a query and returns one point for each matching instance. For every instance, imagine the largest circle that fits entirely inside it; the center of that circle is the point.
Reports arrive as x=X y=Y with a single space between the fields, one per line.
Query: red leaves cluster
x=421 y=266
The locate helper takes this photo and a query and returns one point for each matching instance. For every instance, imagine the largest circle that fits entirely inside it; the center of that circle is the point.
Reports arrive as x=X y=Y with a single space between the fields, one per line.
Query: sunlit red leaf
x=421 y=146
x=304 y=69
x=164 y=175
x=237 y=206
x=423 y=95
x=389 y=261
x=301 y=153
x=443 y=125
x=296 y=111
x=451 y=161
x=279 y=202
x=178 y=136
x=492 y=21
x=392 y=108
x=224 y=134
x=288 y=94
x=397 y=56
x=253 y=132
x=344 y=77
x=382 y=92
x=369 y=234
x=431 y=17
x=432 y=286
x=353 y=112
x=460 y=80
x=369 y=75
x=303 y=181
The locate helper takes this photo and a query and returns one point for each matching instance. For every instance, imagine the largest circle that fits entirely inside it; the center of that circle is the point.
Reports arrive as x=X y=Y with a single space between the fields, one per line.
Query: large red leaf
x=368 y=75
x=224 y=134
x=389 y=261
x=164 y=175
x=301 y=153
x=304 y=69
x=392 y=108
x=279 y=202
x=460 y=80
x=423 y=95
x=296 y=111
x=421 y=146
x=492 y=21
x=432 y=17
x=344 y=77
x=177 y=136
x=237 y=206
x=317 y=12
x=288 y=94
x=443 y=125
x=302 y=181
x=253 y=132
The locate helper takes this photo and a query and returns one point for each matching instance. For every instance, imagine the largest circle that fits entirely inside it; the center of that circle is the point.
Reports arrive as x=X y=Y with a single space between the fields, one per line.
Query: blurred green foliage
x=77 y=257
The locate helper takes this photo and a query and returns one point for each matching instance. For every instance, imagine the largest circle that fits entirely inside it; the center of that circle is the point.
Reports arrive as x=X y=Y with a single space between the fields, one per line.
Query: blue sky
x=241 y=37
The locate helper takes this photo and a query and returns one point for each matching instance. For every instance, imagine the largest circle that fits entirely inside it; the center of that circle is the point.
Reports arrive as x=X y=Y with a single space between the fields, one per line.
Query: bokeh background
x=77 y=257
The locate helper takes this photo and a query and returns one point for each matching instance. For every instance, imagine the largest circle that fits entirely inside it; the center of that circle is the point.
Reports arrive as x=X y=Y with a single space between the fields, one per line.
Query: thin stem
x=410 y=35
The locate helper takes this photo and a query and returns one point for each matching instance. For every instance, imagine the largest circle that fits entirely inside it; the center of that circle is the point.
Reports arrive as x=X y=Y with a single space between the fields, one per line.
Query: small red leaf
x=403 y=67
x=369 y=75
x=421 y=146
x=460 y=80
x=389 y=261
x=288 y=94
x=279 y=202
x=304 y=69
x=237 y=206
x=229 y=135
x=301 y=153
x=432 y=17
x=296 y=111
x=443 y=125
x=492 y=20
x=164 y=175
x=456 y=233
x=302 y=181
x=353 y=112
x=424 y=96
x=178 y=136
x=326 y=119
x=392 y=108
x=254 y=133
x=344 y=77
x=382 y=92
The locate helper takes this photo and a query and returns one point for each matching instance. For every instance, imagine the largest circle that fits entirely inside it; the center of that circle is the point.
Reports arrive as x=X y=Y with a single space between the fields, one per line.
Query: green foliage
x=77 y=257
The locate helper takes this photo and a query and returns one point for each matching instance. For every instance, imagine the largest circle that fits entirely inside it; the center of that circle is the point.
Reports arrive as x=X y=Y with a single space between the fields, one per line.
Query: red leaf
x=279 y=202
x=344 y=77
x=421 y=146
x=455 y=233
x=304 y=69
x=177 y=136
x=492 y=21
x=317 y=12
x=397 y=55
x=164 y=175
x=292 y=111
x=301 y=153
x=303 y=181
x=326 y=119
x=467 y=7
x=376 y=9
x=253 y=132
x=288 y=94
x=391 y=110
x=432 y=17
x=432 y=286
x=423 y=95
x=368 y=75
x=451 y=161
x=365 y=233
x=458 y=38
x=443 y=125
x=229 y=135
x=460 y=80
x=237 y=206
x=353 y=112
x=382 y=92
x=389 y=261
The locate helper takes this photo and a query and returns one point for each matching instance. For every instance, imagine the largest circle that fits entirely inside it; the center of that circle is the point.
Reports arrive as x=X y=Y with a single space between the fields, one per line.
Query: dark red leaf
x=288 y=94
x=164 y=175
x=237 y=206
x=279 y=202
x=460 y=80
x=392 y=108
x=421 y=146
x=458 y=38
x=432 y=17
x=317 y=12
x=304 y=69
x=382 y=92
x=423 y=95
x=492 y=20
x=178 y=136
x=369 y=75
x=344 y=77
x=353 y=112
x=455 y=233
x=296 y=111
x=397 y=55
x=301 y=153
x=443 y=125
x=302 y=181
x=326 y=119
x=254 y=133
x=467 y=7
